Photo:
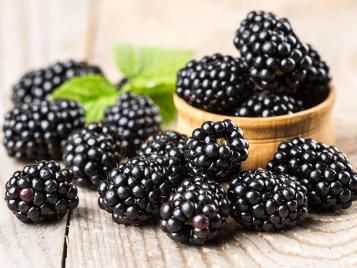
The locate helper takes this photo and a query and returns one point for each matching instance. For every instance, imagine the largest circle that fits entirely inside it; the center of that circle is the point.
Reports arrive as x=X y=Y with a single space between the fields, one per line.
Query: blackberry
x=91 y=153
x=36 y=131
x=268 y=104
x=217 y=150
x=168 y=147
x=134 y=191
x=215 y=83
x=314 y=89
x=195 y=212
x=135 y=118
x=166 y=143
x=277 y=59
x=323 y=170
x=266 y=202
x=36 y=85
x=41 y=192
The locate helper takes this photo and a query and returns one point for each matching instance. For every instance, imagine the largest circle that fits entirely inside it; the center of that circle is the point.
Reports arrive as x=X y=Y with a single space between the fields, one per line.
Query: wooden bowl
x=265 y=134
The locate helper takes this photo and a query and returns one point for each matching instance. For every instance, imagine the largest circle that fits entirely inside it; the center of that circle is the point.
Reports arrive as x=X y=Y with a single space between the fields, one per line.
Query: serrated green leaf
x=150 y=63
x=152 y=72
x=93 y=92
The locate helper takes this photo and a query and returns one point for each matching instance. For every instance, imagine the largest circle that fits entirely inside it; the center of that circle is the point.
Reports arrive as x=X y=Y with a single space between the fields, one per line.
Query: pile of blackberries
x=277 y=73
x=143 y=173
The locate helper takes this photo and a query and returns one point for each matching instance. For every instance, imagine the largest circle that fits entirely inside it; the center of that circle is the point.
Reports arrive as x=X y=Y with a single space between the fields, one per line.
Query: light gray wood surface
x=37 y=32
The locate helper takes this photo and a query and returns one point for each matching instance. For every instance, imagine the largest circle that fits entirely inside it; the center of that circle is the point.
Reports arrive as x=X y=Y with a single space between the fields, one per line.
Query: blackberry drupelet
x=195 y=212
x=36 y=85
x=267 y=202
x=168 y=147
x=91 y=153
x=277 y=60
x=134 y=191
x=135 y=118
x=323 y=170
x=314 y=89
x=36 y=131
x=41 y=192
x=266 y=104
x=217 y=150
x=215 y=83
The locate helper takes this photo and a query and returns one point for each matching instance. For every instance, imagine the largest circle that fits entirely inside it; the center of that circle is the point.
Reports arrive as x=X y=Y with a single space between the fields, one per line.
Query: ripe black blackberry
x=41 y=192
x=217 y=150
x=91 y=153
x=36 y=131
x=215 y=83
x=166 y=143
x=168 y=147
x=266 y=104
x=323 y=170
x=314 y=89
x=266 y=202
x=134 y=191
x=195 y=212
x=36 y=85
x=277 y=60
x=135 y=118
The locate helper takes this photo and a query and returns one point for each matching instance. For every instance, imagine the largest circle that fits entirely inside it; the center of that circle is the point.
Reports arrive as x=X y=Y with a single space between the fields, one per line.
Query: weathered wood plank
x=324 y=240
x=32 y=34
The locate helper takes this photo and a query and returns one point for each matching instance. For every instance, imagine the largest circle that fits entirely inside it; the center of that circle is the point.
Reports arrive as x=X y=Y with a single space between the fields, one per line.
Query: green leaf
x=93 y=92
x=161 y=94
x=152 y=72
x=150 y=63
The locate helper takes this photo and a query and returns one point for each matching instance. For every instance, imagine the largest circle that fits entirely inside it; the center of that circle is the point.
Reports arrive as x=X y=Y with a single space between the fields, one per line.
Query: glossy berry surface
x=91 y=153
x=278 y=61
x=267 y=202
x=323 y=170
x=215 y=83
x=168 y=147
x=165 y=143
x=315 y=87
x=134 y=118
x=134 y=191
x=36 y=131
x=217 y=150
x=41 y=192
x=195 y=212
x=36 y=85
x=269 y=104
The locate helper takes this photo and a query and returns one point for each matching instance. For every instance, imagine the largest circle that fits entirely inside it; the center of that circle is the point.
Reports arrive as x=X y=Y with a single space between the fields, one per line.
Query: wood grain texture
x=36 y=32
x=33 y=33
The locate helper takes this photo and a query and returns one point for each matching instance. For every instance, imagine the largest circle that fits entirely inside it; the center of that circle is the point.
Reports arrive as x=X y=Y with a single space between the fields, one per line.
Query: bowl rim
x=324 y=107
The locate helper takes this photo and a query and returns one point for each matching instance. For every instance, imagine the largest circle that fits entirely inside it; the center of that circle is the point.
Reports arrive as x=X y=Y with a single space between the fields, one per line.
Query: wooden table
x=34 y=33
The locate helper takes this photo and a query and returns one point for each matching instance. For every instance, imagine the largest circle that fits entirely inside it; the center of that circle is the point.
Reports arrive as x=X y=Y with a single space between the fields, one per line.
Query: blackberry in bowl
x=266 y=104
x=278 y=61
x=214 y=83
